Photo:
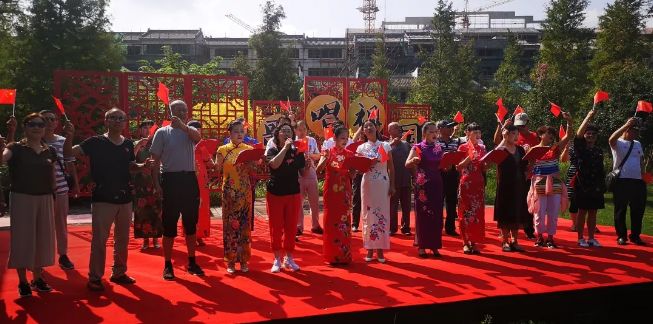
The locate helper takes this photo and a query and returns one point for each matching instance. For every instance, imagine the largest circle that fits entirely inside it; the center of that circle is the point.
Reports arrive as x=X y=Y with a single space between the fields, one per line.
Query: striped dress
x=547 y=165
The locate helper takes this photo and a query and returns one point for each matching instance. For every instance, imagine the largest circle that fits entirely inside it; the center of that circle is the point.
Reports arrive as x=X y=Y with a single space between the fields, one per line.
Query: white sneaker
x=583 y=243
x=289 y=263
x=594 y=242
x=276 y=266
x=231 y=268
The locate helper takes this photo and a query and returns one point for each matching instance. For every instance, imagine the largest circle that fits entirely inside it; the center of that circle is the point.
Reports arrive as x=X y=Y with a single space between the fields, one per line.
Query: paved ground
x=80 y=213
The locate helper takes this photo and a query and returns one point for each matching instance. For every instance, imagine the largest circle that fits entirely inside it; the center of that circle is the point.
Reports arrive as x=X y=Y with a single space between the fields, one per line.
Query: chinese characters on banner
x=362 y=109
x=322 y=111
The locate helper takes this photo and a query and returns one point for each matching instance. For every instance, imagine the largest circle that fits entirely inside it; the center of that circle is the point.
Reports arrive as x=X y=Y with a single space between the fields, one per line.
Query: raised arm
x=570 y=127
x=586 y=121
x=70 y=151
x=615 y=136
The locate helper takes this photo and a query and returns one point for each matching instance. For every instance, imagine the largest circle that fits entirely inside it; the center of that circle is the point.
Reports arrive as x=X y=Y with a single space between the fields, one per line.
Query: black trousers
x=181 y=196
x=356 y=200
x=629 y=192
x=402 y=195
x=450 y=181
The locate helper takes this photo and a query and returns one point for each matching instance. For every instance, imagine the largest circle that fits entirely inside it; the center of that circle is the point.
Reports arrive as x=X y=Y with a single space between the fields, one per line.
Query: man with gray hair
x=400 y=151
x=173 y=152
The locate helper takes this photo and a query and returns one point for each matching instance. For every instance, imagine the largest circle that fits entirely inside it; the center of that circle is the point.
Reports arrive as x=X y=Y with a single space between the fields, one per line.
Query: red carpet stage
x=319 y=289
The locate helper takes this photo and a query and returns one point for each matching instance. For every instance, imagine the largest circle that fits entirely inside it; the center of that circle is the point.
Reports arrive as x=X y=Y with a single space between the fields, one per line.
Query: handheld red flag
x=59 y=105
x=647 y=177
x=562 y=132
x=328 y=133
x=555 y=109
x=459 y=118
x=418 y=151
x=7 y=96
x=421 y=120
x=406 y=134
x=153 y=129
x=501 y=110
x=163 y=93
x=301 y=145
x=284 y=106
x=601 y=96
x=245 y=126
x=374 y=114
x=166 y=123
x=383 y=155
x=518 y=110
x=644 y=106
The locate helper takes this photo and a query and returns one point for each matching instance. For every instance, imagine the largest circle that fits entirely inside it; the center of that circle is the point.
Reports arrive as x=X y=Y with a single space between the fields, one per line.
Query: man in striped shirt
x=450 y=177
x=62 y=167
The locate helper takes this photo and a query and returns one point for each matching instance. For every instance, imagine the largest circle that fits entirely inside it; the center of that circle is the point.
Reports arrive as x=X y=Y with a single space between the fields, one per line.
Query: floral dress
x=147 y=206
x=375 y=201
x=471 y=194
x=337 y=208
x=429 y=198
x=236 y=205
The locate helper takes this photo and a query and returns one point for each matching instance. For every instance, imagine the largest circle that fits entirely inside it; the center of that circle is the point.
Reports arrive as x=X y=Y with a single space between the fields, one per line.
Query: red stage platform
x=318 y=289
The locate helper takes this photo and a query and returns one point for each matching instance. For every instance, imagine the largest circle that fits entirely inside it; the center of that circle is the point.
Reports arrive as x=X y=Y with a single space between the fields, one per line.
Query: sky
x=313 y=18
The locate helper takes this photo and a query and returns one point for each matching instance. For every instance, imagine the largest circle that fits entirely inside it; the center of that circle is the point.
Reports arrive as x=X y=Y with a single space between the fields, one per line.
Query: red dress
x=204 y=220
x=337 y=208
x=471 y=195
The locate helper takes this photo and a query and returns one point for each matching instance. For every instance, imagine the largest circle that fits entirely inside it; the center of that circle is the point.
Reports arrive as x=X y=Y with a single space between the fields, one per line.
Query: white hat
x=521 y=119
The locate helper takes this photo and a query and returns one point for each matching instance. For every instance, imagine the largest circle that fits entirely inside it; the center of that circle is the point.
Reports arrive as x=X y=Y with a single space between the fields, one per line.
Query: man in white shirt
x=308 y=181
x=629 y=188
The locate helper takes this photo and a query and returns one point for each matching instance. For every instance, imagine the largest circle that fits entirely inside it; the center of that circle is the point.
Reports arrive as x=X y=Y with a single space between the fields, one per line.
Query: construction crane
x=369 y=10
x=466 y=23
x=241 y=23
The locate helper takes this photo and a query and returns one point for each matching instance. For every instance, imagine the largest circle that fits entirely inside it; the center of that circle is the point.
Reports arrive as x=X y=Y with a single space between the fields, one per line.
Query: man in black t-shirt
x=110 y=156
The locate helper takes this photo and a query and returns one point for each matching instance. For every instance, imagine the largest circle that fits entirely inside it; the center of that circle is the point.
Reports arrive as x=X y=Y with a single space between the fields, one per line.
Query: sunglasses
x=116 y=118
x=33 y=124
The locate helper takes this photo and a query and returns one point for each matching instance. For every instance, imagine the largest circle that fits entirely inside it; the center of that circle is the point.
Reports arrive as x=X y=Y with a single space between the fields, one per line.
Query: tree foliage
x=65 y=34
x=445 y=79
x=562 y=72
x=174 y=63
x=380 y=61
x=274 y=76
x=509 y=80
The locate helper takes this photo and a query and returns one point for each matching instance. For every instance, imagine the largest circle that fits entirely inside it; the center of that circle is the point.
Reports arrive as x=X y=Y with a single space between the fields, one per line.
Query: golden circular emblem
x=265 y=128
x=322 y=111
x=365 y=108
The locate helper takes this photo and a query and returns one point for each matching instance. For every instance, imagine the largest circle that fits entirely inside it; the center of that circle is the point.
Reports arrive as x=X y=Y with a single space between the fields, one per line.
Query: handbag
x=612 y=176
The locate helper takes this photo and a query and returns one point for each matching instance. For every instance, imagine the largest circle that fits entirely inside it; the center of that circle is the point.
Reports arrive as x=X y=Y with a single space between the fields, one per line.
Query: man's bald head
x=179 y=109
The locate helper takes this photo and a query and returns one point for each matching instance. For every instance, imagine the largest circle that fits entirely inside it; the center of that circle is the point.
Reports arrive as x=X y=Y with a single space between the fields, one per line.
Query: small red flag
x=166 y=123
x=383 y=155
x=601 y=96
x=284 y=106
x=406 y=134
x=518 y=110
x=302 y=145
x=421 y=120
x=163 y=93
x=647 y=177
x=644 y=106
x=245 y=126
x=328 y=133
x=258 y=146
x=555 y=109
x=374 y=114
x=562 y=132
x=7 y=96
x=59 y=105
x=459 y=118
x=418 y=151
x=501 y=110
x=153 y=129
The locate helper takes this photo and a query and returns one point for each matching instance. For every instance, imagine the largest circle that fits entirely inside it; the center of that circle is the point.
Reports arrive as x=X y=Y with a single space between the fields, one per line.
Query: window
x=313 y=53
x=133 y=50
x=229 y=53
x=293 y=53
x=181 y=48
x=154 y=49
x=325 y=53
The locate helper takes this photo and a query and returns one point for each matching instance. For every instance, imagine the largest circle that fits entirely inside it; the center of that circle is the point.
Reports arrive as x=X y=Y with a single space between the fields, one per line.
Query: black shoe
x=299 y=232
x=405 y=231
x=551 y=245
x=317 y=230
x=95 y=285
x=452 y=233
x=195 y=270
x=637 y=241
x=596 y=230
x=539 y=243
x=436 y=254
x=530 y=236
x=40 y=285
x=622 y=241
x=514 y=247
x=123 y=280
x=24 y=290
x=168 y=273
x=422 y=254
x=65 y=263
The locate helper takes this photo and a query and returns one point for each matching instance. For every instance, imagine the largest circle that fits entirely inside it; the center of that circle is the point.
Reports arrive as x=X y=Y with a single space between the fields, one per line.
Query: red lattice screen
x=407 y=116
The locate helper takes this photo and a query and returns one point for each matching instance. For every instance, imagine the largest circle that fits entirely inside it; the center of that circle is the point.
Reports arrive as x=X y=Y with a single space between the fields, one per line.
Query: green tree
x=65 y=34
x=10 y=16
x=274 y=76
x=620 y=64
x=509 y=80
x=380 y=61
x=241 y=65
x=174 y=63
x=445 y=79
x=561 y=74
